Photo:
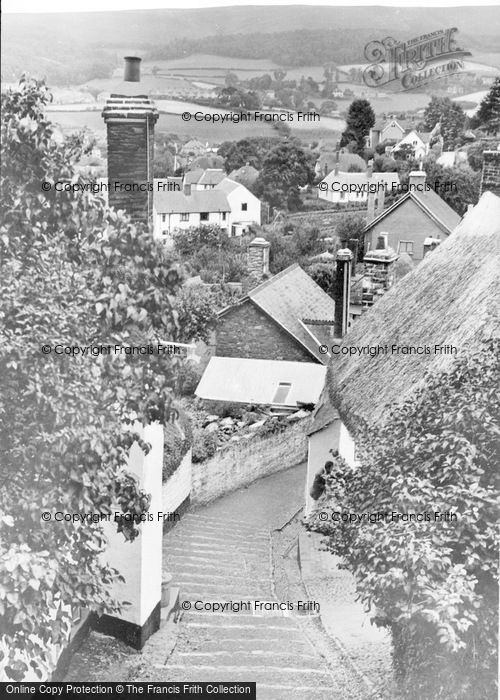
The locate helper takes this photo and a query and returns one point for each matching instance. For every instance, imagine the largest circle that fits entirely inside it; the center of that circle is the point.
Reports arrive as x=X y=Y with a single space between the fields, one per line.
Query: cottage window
x=282 y=392
x=223 y=216
x=184 y=216
x=204 y=216
x=406 y=247
x=244 y=206
x=163 y=218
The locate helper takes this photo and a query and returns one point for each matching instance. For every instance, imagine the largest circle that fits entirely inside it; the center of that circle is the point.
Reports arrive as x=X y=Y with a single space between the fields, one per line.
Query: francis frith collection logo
x=415 y=62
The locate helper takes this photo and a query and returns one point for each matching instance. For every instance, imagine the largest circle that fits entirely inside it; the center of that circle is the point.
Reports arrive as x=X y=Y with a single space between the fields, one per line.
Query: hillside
x=70 y=48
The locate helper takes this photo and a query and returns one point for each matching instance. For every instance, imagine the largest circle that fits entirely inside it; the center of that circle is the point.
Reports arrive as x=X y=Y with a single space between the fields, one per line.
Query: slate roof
x=432 y=204
x=290 y=298
x=198 y=176
x=244 y=380
x=198 y=201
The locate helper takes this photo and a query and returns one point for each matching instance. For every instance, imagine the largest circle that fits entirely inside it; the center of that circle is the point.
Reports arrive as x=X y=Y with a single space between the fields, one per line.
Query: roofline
x=402 y=199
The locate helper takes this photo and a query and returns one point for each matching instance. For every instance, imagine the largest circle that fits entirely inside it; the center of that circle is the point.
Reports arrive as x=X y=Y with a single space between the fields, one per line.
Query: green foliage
x=324 y=275
x=303 y=47
x=360 y=119
x=196 y=313
x=189 y=241
x=178 y=438
x=433 y=583
x=463 y=184
x=73 y=274
x=286 y=168
x=450 y=116
x=252 y=151
x=204 y=444
x=476 y=149
x=300 y=243
x=352 y=226
x=488 y=115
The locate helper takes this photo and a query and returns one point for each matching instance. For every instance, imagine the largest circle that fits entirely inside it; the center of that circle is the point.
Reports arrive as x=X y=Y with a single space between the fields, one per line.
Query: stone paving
x=222 y=553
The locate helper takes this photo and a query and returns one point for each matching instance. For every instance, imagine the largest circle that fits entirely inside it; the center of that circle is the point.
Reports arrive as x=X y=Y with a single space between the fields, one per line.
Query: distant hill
x=70 y=48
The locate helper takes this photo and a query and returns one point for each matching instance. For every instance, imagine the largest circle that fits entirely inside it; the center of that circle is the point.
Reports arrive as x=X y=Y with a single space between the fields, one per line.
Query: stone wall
x=244 y=461
x=245 y=331
x=490 y=179
x=178 y=486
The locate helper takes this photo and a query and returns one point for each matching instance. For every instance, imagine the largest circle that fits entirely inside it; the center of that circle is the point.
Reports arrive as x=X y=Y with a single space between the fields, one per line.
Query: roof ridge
x=278 y=275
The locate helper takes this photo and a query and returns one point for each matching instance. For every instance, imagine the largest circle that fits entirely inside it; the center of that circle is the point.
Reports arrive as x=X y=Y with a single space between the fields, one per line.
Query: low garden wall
x=248 y=458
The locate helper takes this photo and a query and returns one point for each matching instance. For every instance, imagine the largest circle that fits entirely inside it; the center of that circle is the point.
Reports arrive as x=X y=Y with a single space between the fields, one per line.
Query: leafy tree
x=352 y=226
x=475 y=152
x=450 y=116
x=250 y=150
x=324 y=276
x=458 y=186
x=73 y=274
x=287 y=167
x=488 y=115
x=327 y=107
x=360 y=119
x=433 y=583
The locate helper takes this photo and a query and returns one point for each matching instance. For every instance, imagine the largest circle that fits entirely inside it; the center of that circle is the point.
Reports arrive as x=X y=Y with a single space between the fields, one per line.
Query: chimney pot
x=132 y=72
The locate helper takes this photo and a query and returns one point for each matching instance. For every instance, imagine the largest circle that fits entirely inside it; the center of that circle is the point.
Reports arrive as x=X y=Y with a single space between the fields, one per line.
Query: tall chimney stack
x=258 y=257
x=342 y=291
x=490 y=176
x=130 y=119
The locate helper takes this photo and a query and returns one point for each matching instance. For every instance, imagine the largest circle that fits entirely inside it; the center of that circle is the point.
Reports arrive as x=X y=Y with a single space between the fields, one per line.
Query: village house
x=448 y=301
x=418 y=143
x=245 y=207
x=178 y=210
x=412 y=219
x=208 y=197
x=385 y=130
x=345 y=162
x=286 y=317
x=353 y=187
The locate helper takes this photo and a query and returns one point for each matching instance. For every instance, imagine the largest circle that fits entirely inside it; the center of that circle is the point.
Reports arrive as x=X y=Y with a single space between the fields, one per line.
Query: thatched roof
x=451 y=298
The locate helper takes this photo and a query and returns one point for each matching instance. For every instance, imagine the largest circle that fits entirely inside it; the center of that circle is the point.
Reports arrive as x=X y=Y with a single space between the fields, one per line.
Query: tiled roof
x=198 y=201
x=290 y=297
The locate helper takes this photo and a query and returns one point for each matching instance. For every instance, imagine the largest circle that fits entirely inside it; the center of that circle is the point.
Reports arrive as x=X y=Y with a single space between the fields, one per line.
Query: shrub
x=204 y=445
x=434 y=584
x=175 y=444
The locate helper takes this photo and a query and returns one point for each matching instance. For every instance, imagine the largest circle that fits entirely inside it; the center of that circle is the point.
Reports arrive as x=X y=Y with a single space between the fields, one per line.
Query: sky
x=11 y=6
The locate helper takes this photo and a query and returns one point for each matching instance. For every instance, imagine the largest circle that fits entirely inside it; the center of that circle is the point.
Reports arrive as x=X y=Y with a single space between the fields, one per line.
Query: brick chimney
x=417 y=178
x=130 y=119
x=379 y=271
x=342 y=291
x=258 y=257
x=490 y=177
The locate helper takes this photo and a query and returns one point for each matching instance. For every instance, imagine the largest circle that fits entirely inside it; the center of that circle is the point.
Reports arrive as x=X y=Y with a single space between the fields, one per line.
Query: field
x=204 y=131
